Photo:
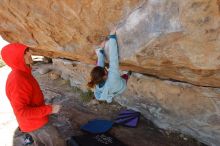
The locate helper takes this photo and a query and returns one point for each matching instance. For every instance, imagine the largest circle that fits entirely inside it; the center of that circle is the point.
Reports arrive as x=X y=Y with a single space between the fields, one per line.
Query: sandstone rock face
x=174 y=39
x=177 y=106
x=170 y=41
x=67 y=28
x=167 y=38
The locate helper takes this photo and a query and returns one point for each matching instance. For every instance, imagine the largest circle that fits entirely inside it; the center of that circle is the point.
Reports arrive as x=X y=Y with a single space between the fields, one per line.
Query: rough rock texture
x=67 y=28
x=177 y=106
x=167 y=39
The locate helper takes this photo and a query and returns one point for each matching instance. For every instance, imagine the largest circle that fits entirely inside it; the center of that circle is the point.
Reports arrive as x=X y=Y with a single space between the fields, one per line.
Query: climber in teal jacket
x=108 y=84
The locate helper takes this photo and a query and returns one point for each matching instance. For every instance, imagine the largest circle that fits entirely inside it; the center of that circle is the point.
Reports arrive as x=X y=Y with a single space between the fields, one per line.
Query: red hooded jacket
x=23 y=91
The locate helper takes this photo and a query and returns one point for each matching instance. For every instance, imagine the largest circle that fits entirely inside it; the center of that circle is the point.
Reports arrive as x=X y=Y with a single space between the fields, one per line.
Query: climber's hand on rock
x=113 y=31
x=55 y=108
x=102 y=45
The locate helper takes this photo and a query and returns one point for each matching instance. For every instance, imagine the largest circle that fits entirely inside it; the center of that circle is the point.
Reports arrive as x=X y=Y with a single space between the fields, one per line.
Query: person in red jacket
x=26 y=97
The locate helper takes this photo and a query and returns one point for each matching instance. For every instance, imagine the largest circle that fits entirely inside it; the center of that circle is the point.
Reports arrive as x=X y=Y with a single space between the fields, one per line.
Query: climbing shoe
x=129 y=73
x=28 y=140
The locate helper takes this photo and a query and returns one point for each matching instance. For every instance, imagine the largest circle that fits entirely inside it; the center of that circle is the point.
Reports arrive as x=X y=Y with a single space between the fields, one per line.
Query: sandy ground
x=75 y=112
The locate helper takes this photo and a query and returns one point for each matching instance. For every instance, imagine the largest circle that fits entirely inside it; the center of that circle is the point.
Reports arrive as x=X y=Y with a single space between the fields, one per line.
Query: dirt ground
x=78 y=109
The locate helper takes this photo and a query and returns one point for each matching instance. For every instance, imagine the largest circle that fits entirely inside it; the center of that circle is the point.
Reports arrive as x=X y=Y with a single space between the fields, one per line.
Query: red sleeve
x=21 y=94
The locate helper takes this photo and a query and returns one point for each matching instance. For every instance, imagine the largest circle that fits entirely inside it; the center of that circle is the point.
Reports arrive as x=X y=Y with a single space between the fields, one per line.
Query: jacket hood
x=13 y=56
